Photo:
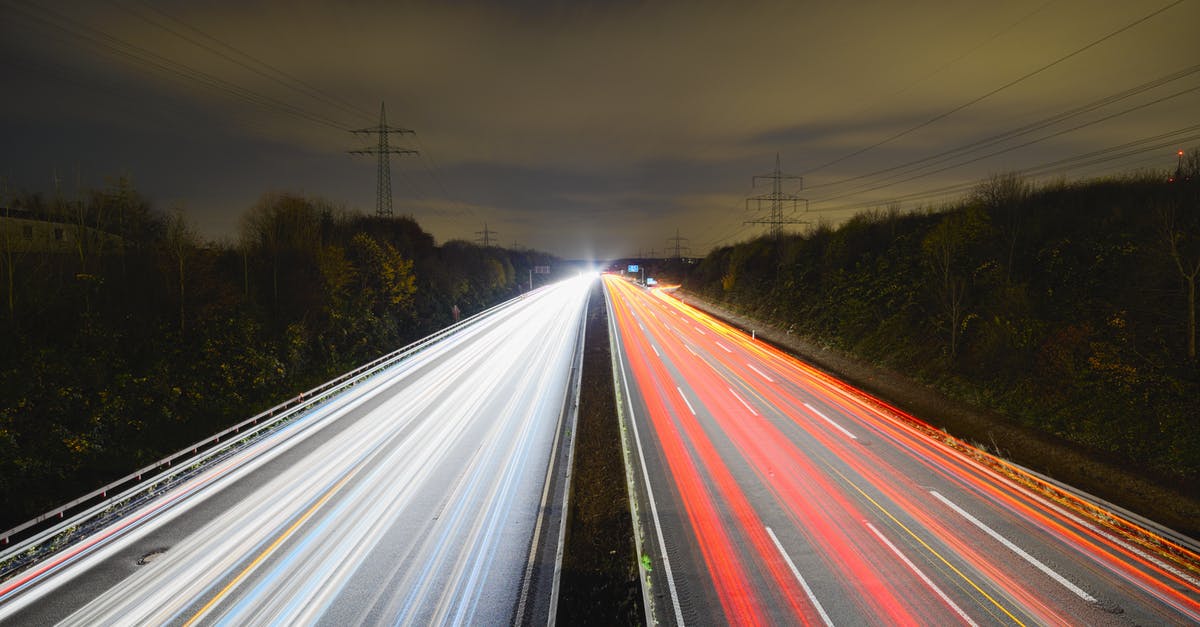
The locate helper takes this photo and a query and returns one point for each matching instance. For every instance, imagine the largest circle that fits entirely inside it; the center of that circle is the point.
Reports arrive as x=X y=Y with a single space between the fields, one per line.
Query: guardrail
x=45 y=530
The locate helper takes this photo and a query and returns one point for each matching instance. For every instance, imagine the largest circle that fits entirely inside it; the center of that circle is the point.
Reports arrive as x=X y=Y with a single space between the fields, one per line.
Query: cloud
x=604 y=115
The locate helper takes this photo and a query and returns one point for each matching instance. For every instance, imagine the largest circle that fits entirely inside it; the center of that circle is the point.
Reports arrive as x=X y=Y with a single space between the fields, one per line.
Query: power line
x=250 y=62
x=1008 y=149
x=154 y=61
x=1113 y=153
x=1026 y=129
x=382 y=151
x=942 y=116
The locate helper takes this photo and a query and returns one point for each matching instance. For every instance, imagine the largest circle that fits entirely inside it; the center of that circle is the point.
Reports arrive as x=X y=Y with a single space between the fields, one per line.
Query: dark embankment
x=599 y=572
x=1054 y=326
x=125 y=336
x=1052 y=456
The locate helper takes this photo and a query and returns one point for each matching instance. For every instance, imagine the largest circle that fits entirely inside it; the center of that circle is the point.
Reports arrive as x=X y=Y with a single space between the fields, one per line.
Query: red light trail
x=785 y=495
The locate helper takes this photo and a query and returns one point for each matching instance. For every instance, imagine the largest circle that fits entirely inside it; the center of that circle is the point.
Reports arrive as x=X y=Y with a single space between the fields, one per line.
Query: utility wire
x=942 y=116
x=914 y=177
x=992 y=140
x=120 y=48
x=247 y=61
x=1111 y=153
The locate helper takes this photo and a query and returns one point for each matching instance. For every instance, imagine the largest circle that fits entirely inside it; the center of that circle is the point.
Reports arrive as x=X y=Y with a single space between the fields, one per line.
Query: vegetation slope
x=1069 y=309
x=129 y=347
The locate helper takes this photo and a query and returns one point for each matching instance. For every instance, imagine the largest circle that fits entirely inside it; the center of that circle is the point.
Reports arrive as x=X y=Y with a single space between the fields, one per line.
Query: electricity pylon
x=677 y=243
x=776 y=200
x=485 y=236
x=382 y=150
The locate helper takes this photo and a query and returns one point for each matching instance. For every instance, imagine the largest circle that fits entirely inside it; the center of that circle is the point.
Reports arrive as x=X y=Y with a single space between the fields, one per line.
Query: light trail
x=854 y=491
x=411 y=498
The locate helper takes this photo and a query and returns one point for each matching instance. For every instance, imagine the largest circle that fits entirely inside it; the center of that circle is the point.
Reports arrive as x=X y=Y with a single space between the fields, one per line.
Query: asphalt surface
x=414 y=498
x=768 y=492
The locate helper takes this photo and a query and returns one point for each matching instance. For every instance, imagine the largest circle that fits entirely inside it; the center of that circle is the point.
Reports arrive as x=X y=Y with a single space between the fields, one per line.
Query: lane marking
x=761 y=373
x=270 y=549
x=743 y=402
x=803 y=584
x=689 y=347
x=727 y=349
x=701 y=331
x=656 y=353
x=830 y=421
x=954 y=606
x=914 y=536
x=685 y=400
x=1015 y=549
x=662 y=545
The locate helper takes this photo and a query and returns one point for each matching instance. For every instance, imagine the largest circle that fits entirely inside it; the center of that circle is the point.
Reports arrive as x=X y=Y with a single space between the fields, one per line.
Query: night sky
x=588 y=128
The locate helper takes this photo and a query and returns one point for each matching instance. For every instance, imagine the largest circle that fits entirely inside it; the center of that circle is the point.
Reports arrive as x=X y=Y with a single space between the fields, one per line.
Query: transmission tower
x=485 y=236
x=776 y=200
x=382 y=150
x=677 y=244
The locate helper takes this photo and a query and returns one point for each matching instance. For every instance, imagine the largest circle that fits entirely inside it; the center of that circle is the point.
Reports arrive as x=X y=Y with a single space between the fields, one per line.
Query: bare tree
x=181 y=241
x=1004 y=195
x=280 y=223
x=946 y=248
x=1181 y=234
x=10 y=264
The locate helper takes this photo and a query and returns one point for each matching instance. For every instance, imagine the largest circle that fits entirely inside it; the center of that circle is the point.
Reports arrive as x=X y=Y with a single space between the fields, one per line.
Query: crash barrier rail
x=41 y=533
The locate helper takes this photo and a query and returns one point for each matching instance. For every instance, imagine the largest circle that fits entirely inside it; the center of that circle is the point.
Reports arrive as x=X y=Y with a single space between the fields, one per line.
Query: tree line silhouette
x=135 y=336
x=1069 y=308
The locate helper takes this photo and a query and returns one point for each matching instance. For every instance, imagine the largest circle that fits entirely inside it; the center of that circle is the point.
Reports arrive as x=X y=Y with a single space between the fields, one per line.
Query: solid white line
x=662 y=545
x=803 y=584
x=954 y=606
x=658 y=354
x=761 y=373
x=1016 y=549
x=727 y=350
x=743 y=402
x=830 y=421
x=685 y=400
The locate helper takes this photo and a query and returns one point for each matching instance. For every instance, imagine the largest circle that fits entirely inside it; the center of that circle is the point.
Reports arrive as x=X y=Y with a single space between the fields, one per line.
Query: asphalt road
x=768 y=492
x=414 y=498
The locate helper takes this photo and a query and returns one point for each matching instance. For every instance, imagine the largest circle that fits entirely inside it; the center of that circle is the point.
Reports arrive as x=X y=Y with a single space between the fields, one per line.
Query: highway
x=767 y=492
x=416 y=497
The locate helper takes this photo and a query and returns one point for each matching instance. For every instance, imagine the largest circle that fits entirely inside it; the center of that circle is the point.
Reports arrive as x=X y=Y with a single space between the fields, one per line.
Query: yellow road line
x=267 y=551
x=927 y=547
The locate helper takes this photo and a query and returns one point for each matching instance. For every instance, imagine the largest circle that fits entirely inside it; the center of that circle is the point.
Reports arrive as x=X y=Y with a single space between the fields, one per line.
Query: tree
x=946 y=250
x=7 y=238
x=385 y=272
x=1180 y=231
x=181 y=241
x=279 y=224
x=1004 y=195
